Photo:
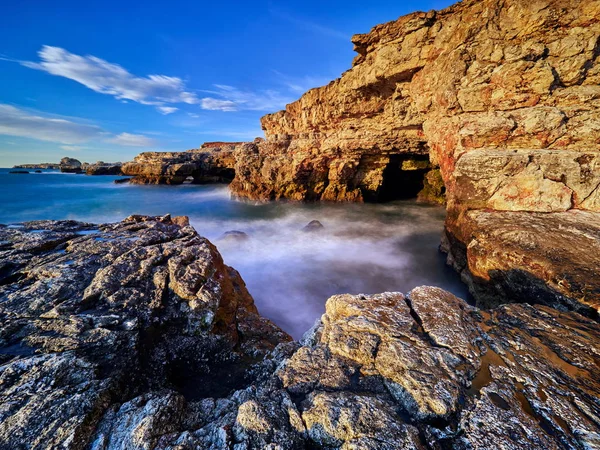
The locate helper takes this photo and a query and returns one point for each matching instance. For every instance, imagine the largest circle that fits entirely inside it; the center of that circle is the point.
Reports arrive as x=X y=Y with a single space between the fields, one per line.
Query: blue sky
x=107 y=80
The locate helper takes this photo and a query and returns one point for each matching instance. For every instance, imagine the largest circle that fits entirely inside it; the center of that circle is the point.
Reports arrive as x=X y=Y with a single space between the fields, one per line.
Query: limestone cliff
x=502 y=97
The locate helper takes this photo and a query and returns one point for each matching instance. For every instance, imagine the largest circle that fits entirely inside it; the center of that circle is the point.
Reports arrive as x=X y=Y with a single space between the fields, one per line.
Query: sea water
x=362 y=248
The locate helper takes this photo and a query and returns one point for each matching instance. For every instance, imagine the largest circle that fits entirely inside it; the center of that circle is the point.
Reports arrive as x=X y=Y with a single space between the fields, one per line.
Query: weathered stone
x=91 y=316
x=213 y=162
x=70 y=165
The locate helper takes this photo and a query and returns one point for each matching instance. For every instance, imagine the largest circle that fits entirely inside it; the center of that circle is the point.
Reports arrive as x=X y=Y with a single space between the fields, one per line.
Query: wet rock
x=38 y=171
x=313 y=225
x=19 y=171
x=123 y=180
x=234 y=236
x=136 y=334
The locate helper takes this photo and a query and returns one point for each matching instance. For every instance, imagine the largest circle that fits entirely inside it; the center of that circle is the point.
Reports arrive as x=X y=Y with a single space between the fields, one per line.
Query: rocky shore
x=489 y=107
x=136 y=335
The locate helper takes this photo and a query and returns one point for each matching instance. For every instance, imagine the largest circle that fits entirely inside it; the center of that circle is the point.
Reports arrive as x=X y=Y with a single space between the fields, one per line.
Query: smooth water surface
x=363 y=248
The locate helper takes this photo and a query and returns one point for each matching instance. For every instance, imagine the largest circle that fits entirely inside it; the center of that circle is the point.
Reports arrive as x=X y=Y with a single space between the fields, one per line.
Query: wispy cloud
x=233 y=99
x=166 y=109
x=19 y=122
x=299 y=85
x=112 y=79
x=215 y=104
x=161 y=91
x=72 y=148
x=309 y=25
x=132 y=140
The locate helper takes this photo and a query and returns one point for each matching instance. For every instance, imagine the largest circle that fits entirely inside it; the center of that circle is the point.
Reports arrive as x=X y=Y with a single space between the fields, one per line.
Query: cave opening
x=403 y=178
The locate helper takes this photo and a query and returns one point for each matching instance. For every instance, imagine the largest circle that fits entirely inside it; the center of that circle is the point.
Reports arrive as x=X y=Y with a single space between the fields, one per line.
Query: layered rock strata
x=502 y=99
x=213 y=162
x=136 y=335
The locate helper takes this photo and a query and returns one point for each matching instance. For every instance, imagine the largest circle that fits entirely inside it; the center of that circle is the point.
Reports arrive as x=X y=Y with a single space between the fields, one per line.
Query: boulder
x=313 y=225
x=70 y=165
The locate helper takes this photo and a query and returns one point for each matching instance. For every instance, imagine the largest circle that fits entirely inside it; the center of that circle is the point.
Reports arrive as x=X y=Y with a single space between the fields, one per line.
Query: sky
x=107 y=80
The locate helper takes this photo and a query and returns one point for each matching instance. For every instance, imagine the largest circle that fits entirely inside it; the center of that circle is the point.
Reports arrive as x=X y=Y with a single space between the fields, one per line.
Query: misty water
x=363 y=248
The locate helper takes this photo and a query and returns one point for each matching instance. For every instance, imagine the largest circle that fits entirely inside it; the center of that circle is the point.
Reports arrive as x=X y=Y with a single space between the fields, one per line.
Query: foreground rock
x=136 y=335
x=212 y=163
x=94 y=316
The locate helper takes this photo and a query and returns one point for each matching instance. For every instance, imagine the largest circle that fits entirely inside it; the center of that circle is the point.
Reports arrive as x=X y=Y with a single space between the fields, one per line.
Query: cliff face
x=502 y=98
x=497 y=94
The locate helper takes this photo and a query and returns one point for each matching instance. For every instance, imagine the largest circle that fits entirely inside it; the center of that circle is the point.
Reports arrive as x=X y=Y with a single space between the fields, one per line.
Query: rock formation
x=494 y=105
x=136 y=335
x=102 y=168
x=38 y=166
x=213 y=162
x=93 y=316
x=70 y=165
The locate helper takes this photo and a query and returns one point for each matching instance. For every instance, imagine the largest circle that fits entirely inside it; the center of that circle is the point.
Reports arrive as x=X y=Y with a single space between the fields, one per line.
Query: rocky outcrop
x=92 y=317
x=38 y=166
x=497 y=95
x=496 y=106
x=102 y=168
x=213 y=162
x=135 y=335
x=70 y=165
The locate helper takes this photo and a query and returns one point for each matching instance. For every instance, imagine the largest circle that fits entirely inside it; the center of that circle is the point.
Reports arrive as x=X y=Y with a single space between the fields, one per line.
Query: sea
x=361 y=249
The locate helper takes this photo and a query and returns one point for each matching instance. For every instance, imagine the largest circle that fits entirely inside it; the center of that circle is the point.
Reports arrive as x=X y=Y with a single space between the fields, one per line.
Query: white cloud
x=237 y=99
x=167 y=109
x=132 y=140
x=160 y=91
x=214 y=104
x=19 y=122
x=112 y=79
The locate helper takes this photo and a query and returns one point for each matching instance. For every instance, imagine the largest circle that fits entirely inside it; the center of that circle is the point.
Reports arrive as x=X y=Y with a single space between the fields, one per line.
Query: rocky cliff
x=213 y=162
x=135 y=335
x=495 y=105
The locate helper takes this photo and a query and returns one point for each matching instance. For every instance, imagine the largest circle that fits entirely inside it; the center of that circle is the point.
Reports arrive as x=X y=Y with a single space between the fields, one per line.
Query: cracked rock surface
x=93 y=316
x=135 y=335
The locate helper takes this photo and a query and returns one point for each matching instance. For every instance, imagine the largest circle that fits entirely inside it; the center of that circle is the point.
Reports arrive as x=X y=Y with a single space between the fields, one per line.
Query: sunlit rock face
x=502 y=97
x=213 y=162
